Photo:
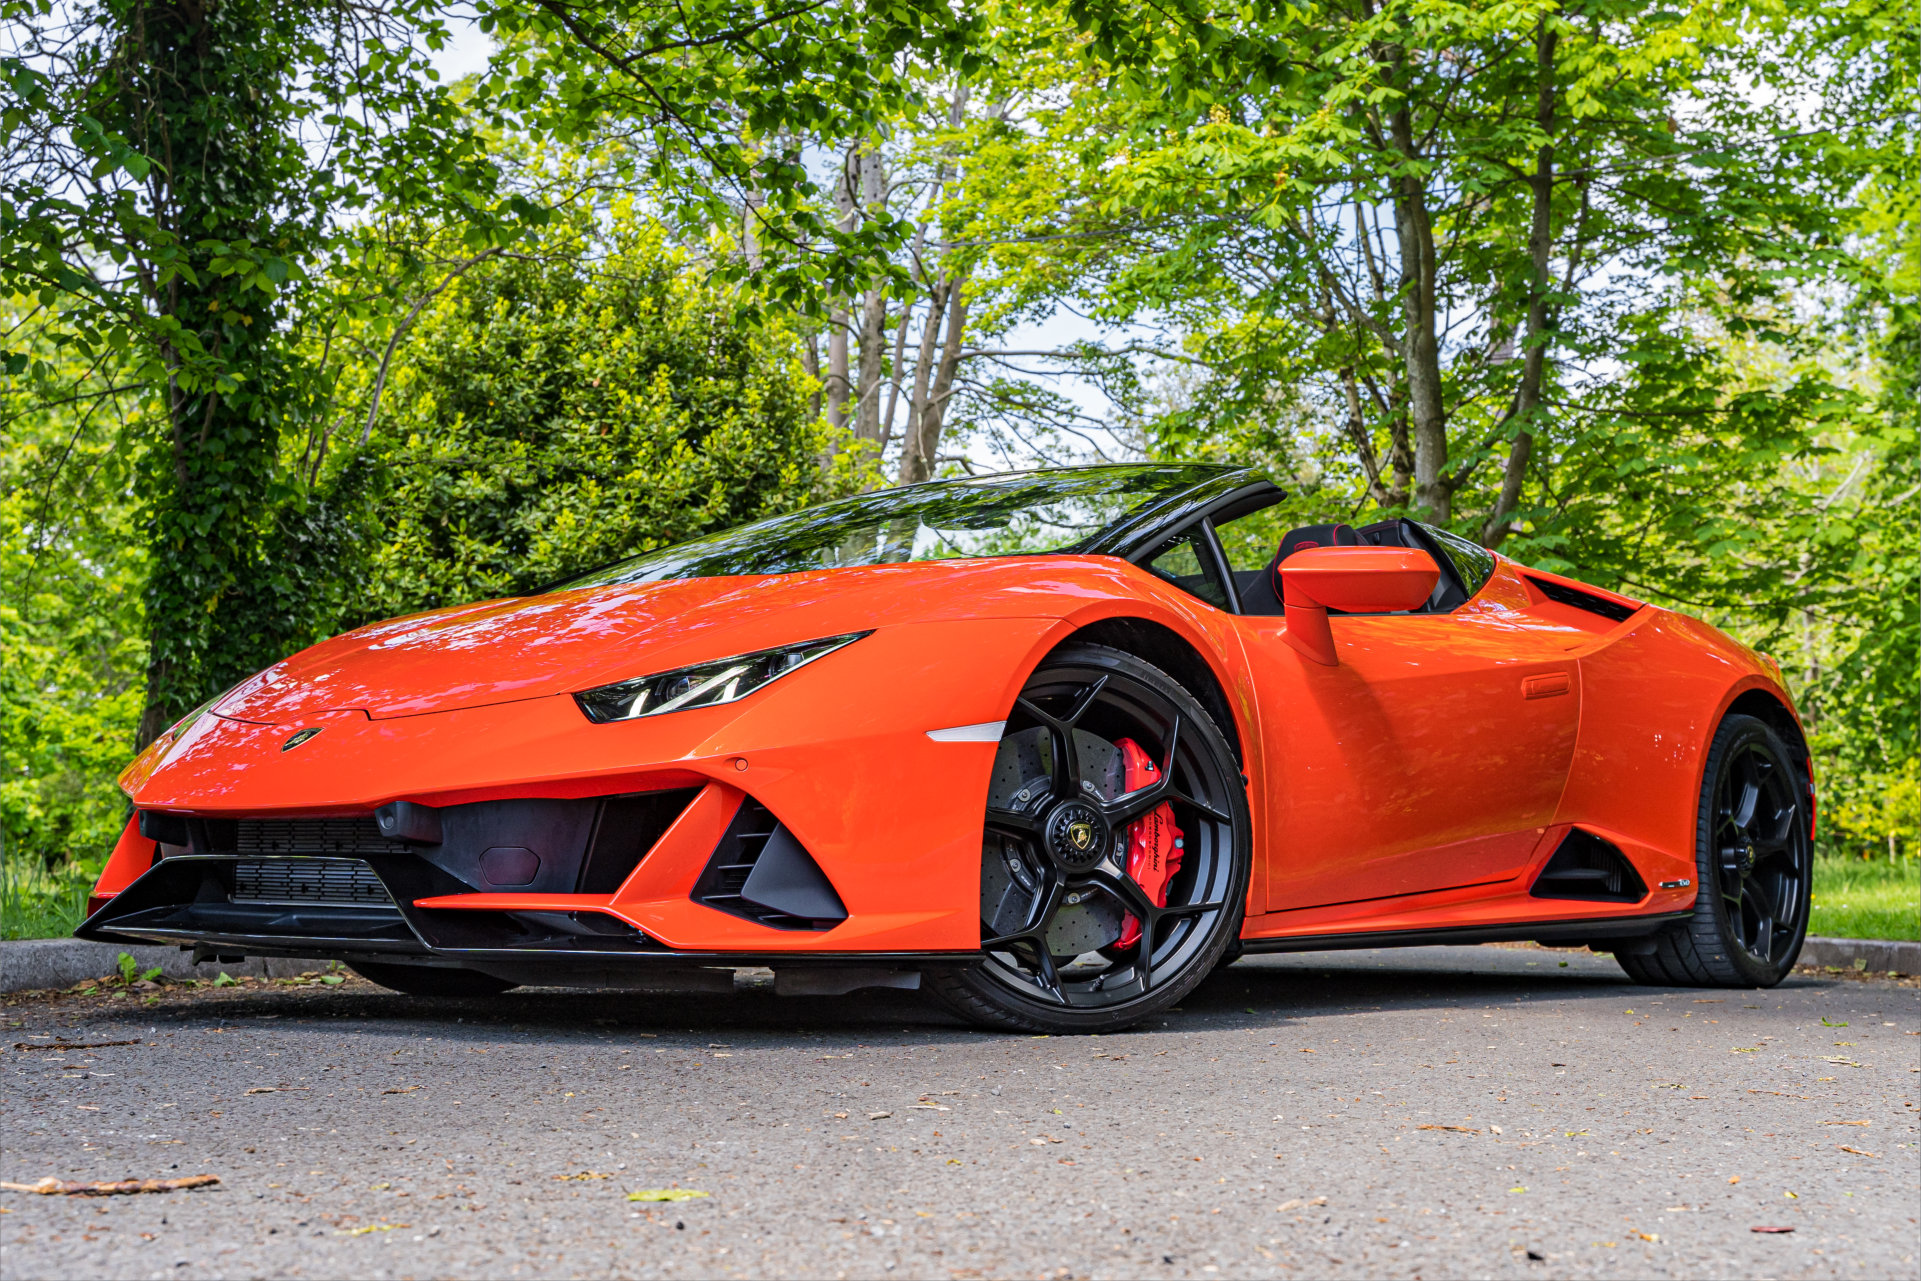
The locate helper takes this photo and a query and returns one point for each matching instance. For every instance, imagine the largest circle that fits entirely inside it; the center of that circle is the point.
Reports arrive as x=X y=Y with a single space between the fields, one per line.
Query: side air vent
x=759 y=871
x=1613 y=610
x=1587 y=868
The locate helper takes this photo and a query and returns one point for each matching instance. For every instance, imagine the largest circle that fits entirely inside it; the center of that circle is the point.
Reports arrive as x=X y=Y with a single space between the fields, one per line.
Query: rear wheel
x=1753 y=853
x=1115 y=853
x=431 y=980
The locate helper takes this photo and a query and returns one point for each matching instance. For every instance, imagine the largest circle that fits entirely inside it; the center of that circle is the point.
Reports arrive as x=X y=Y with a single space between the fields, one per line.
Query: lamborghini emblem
x=1082 y=834
x=298 y=737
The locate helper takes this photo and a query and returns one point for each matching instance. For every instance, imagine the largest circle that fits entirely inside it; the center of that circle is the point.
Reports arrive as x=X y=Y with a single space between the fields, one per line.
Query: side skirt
x=1593 y=931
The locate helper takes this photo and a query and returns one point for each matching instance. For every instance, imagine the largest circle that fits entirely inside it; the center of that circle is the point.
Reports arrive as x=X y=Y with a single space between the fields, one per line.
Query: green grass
x=1857 y=899
x=38 y=904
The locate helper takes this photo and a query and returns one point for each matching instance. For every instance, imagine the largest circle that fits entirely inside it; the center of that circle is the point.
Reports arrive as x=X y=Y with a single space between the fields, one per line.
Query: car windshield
x=1017 y=514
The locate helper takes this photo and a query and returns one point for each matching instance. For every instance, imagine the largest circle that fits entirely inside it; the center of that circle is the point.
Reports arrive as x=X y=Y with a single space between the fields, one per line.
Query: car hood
x=531 y=647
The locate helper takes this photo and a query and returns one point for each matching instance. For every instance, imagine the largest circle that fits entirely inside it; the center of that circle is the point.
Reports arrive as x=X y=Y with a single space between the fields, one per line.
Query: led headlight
x=725 y=680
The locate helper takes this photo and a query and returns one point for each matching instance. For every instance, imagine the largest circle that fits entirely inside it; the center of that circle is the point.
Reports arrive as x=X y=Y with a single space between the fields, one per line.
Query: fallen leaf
x=401 y=1089
x=1649 y=1236
x=1857 y=1151
x=1847 y=1123
x=71 y=1045
x=665 y=1194
x=371 y=1227
x=1458 y=1129
x=1297 y=1203
x=1770 y=1229
x=125 y=1187
x=584 y=1174
x=1735 y=1179
x=1045 y=1138
x=878 y=1116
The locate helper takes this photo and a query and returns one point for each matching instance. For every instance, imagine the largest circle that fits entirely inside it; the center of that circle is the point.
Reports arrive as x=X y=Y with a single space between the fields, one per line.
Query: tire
x=1063 y=765
x=1753 y=855
x=431 y=980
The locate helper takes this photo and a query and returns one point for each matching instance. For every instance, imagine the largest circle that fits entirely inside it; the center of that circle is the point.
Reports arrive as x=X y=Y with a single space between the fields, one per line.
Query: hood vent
x=1587 y=868
x=759 y=871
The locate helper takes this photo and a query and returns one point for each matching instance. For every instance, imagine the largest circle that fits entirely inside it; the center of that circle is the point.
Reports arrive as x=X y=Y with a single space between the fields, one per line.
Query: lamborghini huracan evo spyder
x=1052 y=745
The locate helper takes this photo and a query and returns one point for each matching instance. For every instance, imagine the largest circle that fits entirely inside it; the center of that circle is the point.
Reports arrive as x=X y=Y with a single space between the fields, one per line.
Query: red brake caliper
x=1153 y=842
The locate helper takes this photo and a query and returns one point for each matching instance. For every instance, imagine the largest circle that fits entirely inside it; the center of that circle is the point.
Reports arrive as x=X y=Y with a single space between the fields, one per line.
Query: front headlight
x=725 y=680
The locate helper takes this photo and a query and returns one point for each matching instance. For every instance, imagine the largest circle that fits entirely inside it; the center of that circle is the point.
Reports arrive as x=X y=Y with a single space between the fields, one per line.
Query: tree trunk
x=1420 y=342
x=873 y=316
x=921 y=453
x=182 y=87
x=838 y=320
x=1540 y=239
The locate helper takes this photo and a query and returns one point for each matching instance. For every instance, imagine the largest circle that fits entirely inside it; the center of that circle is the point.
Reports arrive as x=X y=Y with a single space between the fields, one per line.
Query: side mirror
x=1354 y=580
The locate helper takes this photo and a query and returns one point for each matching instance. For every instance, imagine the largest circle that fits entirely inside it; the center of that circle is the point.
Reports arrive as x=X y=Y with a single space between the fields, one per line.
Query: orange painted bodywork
x=1418 y=783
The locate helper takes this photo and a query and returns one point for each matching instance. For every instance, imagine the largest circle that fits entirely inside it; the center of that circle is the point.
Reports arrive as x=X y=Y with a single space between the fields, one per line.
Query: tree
x=1479 y=238
x=176 y=173
x=590 y=396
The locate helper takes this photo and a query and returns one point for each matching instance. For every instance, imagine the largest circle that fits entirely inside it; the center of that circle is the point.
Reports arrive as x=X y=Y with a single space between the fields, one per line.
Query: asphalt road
x=1430 y=1112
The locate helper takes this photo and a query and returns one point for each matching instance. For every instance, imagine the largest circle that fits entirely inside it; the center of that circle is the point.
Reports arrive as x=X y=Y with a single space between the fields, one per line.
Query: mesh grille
x=307 y=880
x=313 y=836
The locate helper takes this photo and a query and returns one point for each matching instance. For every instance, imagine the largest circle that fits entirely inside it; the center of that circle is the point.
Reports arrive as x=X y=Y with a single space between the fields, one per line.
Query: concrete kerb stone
x=1874 y=956
x=38 y=964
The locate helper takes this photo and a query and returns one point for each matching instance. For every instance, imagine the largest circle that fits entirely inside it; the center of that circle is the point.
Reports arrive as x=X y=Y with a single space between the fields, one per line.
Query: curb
x=30 y=964
x=1873 y=956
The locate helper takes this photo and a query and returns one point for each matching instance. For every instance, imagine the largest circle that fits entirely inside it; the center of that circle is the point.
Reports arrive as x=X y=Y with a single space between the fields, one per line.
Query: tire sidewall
x=1735 y=732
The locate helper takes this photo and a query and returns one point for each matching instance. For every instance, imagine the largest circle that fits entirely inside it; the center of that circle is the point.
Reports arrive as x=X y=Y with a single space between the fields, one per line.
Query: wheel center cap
x=1077 y=837
x=1747 y=857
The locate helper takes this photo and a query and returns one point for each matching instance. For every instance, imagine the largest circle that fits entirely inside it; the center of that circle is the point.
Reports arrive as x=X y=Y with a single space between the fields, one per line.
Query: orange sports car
x=1050 y=745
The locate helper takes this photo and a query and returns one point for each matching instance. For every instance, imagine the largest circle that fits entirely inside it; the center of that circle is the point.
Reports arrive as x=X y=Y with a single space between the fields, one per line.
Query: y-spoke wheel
x=1115 y=851
x=1752 y=910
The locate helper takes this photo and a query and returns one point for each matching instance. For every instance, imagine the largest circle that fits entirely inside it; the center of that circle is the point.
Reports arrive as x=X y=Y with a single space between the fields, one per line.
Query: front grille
x=313 y=836
x=307 y=880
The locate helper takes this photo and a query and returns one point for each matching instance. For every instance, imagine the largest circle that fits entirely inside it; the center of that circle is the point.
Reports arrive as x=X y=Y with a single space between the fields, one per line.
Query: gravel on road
x=1423 y=1112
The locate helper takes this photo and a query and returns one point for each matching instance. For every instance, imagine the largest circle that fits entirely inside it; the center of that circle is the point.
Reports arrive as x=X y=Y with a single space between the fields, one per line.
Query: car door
x=1431 y=757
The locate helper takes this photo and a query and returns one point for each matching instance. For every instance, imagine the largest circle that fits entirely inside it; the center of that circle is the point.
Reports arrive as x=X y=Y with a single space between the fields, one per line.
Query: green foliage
x=178 y=177
x=1862 y=899
x=41 y=903
x=72 y=634
x=574 y=404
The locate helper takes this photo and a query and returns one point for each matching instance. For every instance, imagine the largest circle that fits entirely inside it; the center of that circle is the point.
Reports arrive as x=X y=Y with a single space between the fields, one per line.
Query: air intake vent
x=624 y=830
x=307 y=880
x=1588 y=868
x=760 y=871
x=313 y=836
x=1613 y=610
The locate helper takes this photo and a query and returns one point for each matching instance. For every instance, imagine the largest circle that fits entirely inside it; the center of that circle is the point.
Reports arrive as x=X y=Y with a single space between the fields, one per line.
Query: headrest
x=1316 y=536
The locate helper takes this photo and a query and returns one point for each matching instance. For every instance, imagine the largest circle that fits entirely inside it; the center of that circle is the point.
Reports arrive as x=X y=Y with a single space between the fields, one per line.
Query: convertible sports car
x=1053 y=745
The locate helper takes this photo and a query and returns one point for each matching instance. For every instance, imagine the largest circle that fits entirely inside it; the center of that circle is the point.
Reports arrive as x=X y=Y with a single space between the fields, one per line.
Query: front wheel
x=1115 y=853
x=1755 y=870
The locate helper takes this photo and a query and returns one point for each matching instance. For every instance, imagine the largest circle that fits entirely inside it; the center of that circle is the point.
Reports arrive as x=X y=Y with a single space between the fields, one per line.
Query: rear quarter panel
x=1652 y=696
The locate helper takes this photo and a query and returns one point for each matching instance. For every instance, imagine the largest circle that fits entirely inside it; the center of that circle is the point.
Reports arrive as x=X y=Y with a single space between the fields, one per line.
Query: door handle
x=1546 y=686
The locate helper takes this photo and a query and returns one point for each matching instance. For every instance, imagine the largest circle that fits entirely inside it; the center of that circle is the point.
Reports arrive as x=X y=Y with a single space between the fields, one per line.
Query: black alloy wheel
x=1754 y=854
x=1073 y=942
